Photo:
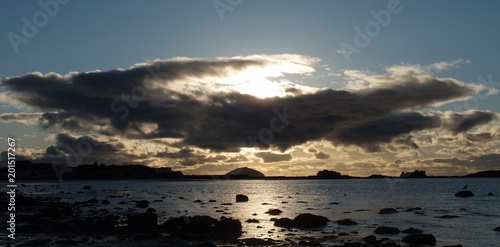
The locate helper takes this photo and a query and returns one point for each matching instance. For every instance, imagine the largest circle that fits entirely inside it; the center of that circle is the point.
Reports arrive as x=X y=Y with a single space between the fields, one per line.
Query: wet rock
x=87 y=187
x=420 y=239
x=413 y=209
x=283 y=222
x=212 y=200
x=252 y=221
x=241 y=198
x=227 y=227
x=150 y=210
x=387 y=230
x=309 y=220
x=490 y=194
x=497 y=229
x=387 y=211
x=411 y=230
x=142 y=220
x=447 y=216
x=274 y=211
x=142 y=204
x=258 y=242
x=464 y=193
x=301 y=202
x=346 y=222
x=370 y=239
x=197 y=201
x=226 y=204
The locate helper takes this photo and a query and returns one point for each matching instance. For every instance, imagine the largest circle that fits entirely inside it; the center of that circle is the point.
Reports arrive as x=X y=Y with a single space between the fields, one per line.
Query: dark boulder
x=241 y=198
x=497 y=229
x=309 y=220
x=464 y=193
x=370 y=239
x=252 y=221
x=411 y=230
x=388 y=211
x=283 y=222
x=274 y=211
x=87 y=187
x=490 y=194
x=142 y=220
x=420 y=239
x=347 y=222
x=386 y=230
x=227 y=227
x=150 y=210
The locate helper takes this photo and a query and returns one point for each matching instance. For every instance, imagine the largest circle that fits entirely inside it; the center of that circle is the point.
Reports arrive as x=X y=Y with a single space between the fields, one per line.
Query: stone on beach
x=142 y=220
x=386 y=230
x=412 y=230
x=283 y=222
x=387 y=211
x=464 y=193
x=241 y=198
x=274 y=211
x=420 y=239
x=309 y=220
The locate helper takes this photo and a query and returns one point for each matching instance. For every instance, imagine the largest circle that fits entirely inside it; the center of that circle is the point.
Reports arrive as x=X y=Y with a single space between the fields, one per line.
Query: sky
x=285 y=87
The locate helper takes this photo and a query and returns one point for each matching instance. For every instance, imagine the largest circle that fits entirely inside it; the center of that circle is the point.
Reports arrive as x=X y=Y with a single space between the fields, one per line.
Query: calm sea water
x=358 y=199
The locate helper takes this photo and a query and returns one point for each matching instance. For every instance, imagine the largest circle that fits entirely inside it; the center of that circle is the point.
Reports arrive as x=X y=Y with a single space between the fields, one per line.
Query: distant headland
x=25 y=170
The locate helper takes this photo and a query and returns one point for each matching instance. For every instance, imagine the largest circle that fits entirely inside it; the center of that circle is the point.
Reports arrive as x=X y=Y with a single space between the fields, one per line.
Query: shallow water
x=358 y=199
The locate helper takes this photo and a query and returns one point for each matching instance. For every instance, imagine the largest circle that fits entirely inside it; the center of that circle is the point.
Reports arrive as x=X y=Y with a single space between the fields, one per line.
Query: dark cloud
x=122 y=103
x=268 y=157
x=459 y=123
x=479 y=162
x=322 y=155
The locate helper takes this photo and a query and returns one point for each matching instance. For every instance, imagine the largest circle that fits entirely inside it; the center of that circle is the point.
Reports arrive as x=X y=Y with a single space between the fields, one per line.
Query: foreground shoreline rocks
x=86 y=223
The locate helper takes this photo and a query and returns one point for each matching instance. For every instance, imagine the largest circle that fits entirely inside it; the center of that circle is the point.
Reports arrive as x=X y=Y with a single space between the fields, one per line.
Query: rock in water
x=274 y=211
x=420 y=239
x=241 y=198
x=388 y=211
x=284 y=222
x=464 y=193
x=497 y=229
x=411 y=230
x=346 y=222
x=386 y=230
x=228 y=227
x=87 y=187
x=309 y=220
x=142 y=220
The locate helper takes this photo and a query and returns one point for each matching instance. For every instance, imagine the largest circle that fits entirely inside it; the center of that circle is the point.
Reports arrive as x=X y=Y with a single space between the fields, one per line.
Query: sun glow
x=261 y=88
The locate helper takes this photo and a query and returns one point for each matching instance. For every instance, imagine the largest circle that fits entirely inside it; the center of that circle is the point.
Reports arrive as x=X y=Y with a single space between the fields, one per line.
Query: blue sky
x=92 y=35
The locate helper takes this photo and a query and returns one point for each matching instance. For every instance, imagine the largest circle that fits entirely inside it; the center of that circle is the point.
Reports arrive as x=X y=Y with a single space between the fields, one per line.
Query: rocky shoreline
x=49 y=221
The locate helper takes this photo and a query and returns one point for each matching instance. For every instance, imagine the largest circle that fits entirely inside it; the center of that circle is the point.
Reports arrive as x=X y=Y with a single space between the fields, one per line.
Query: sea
x=421 y=203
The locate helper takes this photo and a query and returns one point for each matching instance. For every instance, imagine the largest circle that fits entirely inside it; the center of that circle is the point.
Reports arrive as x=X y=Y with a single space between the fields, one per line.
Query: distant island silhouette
x=25 y=170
